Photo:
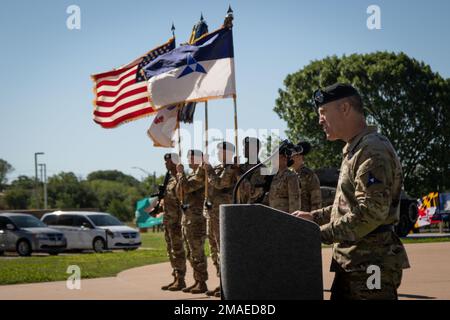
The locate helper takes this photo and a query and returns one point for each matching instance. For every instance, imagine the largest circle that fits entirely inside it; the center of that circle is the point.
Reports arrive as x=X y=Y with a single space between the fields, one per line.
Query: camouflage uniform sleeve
x=316 y=195
x=322 y=216
x=191 y=183
x=244 y=192
x=372 y=191
x=294 y=193
x=224 y=180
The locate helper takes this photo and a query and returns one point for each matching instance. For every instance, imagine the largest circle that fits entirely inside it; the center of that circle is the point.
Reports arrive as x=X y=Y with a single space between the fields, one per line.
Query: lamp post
x=145 y=171
x=148 y=175
x=43 y=167
x=36 y=154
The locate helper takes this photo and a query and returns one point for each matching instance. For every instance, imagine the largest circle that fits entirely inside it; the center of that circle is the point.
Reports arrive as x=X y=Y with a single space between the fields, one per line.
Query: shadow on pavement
x=404 y=295
x=415 y=296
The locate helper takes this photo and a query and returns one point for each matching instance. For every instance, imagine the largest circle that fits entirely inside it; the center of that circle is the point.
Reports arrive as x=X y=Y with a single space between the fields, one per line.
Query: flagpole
x=228 y=23
x=179 y=155
x=207 y=205
x=179 y=134
x=178 y=114
x=206 y=150
x=236 y=141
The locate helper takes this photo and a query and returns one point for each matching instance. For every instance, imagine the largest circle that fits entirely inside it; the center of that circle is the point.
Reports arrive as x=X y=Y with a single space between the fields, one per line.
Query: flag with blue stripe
x=194 y=73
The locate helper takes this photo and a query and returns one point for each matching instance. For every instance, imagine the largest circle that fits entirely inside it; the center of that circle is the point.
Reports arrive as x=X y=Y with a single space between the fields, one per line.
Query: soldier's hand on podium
x=302 y=214
x=180 y=168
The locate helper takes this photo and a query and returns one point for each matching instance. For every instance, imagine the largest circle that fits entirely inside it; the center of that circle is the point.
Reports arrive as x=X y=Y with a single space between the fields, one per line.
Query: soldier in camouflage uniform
x=194 y=224
x=222 y=179
x=360 y=223
x=284 y=193
x=251 y=189
x=172 y=227
x=309 y=182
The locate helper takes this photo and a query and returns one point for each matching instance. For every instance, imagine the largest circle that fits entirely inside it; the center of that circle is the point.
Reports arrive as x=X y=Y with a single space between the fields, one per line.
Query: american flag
x=121 y=94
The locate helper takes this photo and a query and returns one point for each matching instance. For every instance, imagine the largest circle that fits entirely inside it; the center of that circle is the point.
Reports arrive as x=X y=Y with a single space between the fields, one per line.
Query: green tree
x=407 y=101
x=17 y=198
x=109 y=191
x=23 y=182
x=120 y=210
x=66 y=191
x=113 y=175
x=150 y=186
x=5 y=169
x=19 y=194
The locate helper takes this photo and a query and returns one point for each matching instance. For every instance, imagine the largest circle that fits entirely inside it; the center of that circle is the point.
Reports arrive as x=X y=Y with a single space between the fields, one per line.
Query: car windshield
x=104 y=220
x=27 y=222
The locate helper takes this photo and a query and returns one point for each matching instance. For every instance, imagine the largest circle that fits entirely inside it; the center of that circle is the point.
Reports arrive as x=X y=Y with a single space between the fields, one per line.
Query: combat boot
x=166 y=287
x=211 y=293
x=178 y=285
x=188 y=289
x=199 y=288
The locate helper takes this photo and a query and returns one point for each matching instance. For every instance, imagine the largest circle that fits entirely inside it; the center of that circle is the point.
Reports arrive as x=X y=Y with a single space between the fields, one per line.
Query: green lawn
x=43 y=268
x=14 y=270
x=425 y=240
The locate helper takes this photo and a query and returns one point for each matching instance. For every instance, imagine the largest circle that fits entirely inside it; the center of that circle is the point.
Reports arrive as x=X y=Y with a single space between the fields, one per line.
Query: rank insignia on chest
x=372 y=180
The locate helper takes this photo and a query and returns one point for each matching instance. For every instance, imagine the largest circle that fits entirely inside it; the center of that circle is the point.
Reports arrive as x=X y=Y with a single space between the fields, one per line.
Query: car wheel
x=2 y=253
x=53 y=253
x=413 y=213
x=23 y=248
x=403 y=227
x=99 y=245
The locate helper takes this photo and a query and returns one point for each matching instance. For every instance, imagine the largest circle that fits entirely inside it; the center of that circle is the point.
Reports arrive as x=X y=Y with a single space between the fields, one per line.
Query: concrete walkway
x=427 y=279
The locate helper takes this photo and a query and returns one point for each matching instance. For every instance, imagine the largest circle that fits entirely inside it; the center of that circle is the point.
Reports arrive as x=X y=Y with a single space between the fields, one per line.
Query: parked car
x=408 y=215
x=25 y=234
x=96 y=231
x=408 y=206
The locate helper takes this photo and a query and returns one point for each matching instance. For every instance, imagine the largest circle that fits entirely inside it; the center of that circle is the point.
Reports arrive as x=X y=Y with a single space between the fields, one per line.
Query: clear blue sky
x=46 y=91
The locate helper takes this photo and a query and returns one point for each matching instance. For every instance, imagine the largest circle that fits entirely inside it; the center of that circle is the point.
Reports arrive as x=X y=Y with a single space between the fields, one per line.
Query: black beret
x=334 y=92
x=287 y=149
x=302 y=148
x=225 y=145
x=195 y=153
x=172 y=156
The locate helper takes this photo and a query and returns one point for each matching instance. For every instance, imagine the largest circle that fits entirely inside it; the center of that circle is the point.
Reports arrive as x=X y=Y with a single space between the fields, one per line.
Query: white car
x=96 y=231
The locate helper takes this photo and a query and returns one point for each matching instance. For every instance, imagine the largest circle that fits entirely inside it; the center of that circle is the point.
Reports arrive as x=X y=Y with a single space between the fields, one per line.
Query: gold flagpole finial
x=173 y=30
x=228 y=23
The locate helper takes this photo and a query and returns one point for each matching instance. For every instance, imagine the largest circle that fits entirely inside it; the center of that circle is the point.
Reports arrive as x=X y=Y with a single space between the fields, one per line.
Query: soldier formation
x=192 y=215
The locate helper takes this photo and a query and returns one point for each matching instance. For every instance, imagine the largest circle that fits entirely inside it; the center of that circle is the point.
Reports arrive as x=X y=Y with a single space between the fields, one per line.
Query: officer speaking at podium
x=368 y=257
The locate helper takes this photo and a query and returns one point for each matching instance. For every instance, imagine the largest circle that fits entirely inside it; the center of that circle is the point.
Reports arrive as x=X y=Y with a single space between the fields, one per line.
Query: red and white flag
x=164 y=126
x=121 y=95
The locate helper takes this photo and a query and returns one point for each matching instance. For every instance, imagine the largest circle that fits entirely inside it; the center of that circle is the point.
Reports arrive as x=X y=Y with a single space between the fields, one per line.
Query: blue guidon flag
x=193 y=73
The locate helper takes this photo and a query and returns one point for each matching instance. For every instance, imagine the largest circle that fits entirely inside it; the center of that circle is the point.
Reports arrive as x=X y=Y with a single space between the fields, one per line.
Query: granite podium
x=267 y=254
